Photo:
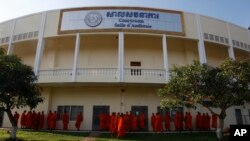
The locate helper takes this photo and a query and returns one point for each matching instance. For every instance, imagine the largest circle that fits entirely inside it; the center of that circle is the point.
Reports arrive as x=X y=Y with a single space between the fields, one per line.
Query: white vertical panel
x=230 y=48
x=165 y=56
x=121 y=56
x=10 y=47
x=77 y=47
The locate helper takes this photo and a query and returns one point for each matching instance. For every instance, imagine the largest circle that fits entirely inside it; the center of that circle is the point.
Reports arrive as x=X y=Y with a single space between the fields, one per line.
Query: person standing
x=79 y=120
x=16 y=117
x=153 y=122
x=142 y=121
x=121 y=127
x=23 y=119
x=41 y=120
x=167 y=121
x=214 y=121
x=65 y=120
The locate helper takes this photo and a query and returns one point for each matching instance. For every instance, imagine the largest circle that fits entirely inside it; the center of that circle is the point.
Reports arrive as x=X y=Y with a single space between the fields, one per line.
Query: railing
x=97 y=75
x=131 y=75
x=55 y=75
x=144 y=75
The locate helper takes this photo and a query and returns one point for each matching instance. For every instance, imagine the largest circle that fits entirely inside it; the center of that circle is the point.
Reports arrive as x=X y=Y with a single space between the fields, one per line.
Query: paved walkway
x=92 y=136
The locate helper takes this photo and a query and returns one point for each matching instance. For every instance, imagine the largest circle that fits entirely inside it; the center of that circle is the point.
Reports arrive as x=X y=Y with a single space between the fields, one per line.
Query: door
x=1 y=117
x=138 y=110
x=97 y=110
x=238 y=115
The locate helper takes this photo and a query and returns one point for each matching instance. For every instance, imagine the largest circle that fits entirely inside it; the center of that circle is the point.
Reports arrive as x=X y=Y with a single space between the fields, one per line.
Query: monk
x=53 y=120
x=198 y=121
x=23 y=119
x=79 y=120
x=121 y=127
x=41 y=120
x=158 y=120
x=65 y=120
x=188 y=121
x=176 y=125
x=207 y=122
x=134 y=122
x=102 y=121
x=112 y=123
x=29 y=120
x=107 y=121
x=49 y=118
x=167 y=121
x=142 y=121
x=203 y=121
x=34 y=120
x=153 y=122
x=126 y=120
x=214 y=121
x=16 y=117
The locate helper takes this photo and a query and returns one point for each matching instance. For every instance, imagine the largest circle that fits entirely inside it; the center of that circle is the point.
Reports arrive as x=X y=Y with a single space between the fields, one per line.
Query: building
x=113 y=59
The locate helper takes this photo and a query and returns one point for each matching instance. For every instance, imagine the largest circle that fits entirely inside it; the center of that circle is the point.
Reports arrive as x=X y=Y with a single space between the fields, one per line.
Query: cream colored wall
x=58 y=53
x=6 y=28
x=99 y=51
x=215 y=53
x=51 y=25
x=181 y=52
x=26 y=50
x=146 y=49
x=239 y=34
x=190 y=25
x=238 y=53
x=213 y=26
x=28 y=24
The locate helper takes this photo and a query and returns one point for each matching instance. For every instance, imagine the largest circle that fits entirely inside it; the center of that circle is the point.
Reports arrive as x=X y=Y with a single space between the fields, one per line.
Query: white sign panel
x=121 y=19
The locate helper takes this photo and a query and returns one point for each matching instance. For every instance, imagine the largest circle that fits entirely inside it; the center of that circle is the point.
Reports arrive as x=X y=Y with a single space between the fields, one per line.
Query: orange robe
x=203 y=122
x=158 y=120
x=207 y=122
x=41 y=121
x=16 y=117
x=79 y=120
x=214 y=121
x=167 y=122
x=102 y=122
x=153 y=125
x=23 y=120
x=198 y=121
x=49 y=118
x=188 y=121
x=29 y=120
x=121 y=127
x=134 y=123
x=142 y=121
x=112 y=123
x=65 y=120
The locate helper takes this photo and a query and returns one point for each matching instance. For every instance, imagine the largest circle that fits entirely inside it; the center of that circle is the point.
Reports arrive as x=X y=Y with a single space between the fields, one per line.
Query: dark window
x=135 y=64
x=71 y=110
x=97 y=110
x=205 y=35
x=211 y=37
x=216 y=38
x=238 y=116
x=74 y=111
x=222 y=39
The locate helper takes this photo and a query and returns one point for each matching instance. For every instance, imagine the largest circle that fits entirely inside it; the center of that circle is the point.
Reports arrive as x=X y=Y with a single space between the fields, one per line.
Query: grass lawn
x=23 y=135
x=79 y=136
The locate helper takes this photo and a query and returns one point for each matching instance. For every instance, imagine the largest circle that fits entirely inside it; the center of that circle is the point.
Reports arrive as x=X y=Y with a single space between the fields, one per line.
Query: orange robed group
x=119 y=123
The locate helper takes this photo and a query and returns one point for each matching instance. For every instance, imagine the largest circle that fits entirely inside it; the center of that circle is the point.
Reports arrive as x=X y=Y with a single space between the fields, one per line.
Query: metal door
x=138 y=110
x=96 y=112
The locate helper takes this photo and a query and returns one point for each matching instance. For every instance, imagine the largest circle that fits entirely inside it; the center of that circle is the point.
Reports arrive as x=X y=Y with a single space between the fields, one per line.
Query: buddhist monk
x=142 y=121
x=23 y=119
x=34 y=120
x=167 y=121
x=107 y=121
x=79 y=120
x=53 y=120
x=134 y=123
x=153 y=122
x=203 y=121
x=198 y=121
x=158 y=120
x=102 y=121
x=126 y=120
x=16 y=117
x=207 y=122
x=214 y=121
x=188 y=121
x=49 y=120
x=29 y=120
x=41 y=120
x=65 y=120
x=121 y=127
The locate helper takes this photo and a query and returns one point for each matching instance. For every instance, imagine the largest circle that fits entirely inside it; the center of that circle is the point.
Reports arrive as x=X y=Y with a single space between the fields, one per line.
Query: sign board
x=121 y=19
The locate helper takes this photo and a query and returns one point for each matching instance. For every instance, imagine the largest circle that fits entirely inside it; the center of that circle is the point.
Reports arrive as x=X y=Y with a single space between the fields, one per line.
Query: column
x=10 y=46
x=40 y=44
x=165 y=56
x=201 y=46
x=230 y=48
x=77 y=47
x=121 y=56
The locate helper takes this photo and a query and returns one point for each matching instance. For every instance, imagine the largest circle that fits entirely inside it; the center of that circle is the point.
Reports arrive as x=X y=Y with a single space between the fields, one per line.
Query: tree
x=17 y=87
x=213 y=87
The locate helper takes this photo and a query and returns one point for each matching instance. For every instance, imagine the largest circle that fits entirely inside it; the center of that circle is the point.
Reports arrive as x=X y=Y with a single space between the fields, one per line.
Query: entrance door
x=1 y=117
x=138 y=110
x=238 y=115
x=97 y=110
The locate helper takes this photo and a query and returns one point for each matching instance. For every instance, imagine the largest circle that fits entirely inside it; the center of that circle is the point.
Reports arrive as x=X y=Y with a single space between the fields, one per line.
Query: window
x=74 y=111
x=222 y=39
x=226 y=40
x=234 y=42
x=211 y=37
x=216 y=38
x=71 y=110
x=206 y=36
x=135 y=71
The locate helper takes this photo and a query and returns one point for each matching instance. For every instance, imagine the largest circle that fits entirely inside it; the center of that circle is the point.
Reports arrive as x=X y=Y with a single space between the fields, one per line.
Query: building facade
x=114 y=59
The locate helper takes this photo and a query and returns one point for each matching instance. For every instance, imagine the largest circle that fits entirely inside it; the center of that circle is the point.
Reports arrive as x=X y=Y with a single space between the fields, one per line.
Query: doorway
x=138 y=110
x=97 y=110
x=238 y=116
